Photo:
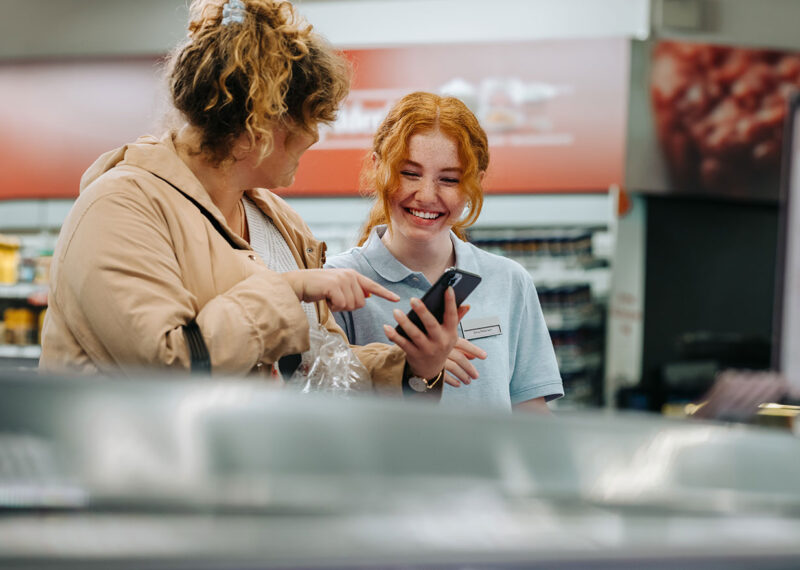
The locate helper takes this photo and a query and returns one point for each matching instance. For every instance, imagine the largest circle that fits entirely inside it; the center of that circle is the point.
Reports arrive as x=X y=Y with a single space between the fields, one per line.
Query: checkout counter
x=178 y=473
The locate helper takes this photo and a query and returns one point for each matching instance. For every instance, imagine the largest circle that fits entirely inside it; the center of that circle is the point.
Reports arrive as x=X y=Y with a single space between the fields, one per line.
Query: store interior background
x=682 y=284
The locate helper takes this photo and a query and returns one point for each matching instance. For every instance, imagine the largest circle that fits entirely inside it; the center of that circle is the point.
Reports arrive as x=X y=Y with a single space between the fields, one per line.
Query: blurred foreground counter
x=179 y=474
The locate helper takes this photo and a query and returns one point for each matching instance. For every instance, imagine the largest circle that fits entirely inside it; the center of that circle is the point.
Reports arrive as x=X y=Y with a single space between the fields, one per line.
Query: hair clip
x=233 y=12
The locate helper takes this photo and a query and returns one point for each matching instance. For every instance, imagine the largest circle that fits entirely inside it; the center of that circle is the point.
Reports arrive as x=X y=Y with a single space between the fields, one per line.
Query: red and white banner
x=554 y=111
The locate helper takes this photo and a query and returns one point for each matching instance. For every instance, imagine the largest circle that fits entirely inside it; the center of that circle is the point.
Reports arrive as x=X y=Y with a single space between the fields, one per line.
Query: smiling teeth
x=425 y=215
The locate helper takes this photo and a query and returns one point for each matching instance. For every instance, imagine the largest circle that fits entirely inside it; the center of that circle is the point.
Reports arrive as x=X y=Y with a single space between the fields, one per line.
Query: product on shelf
x=24 y=273
x=9 y=259
x=579 y=390
x=564 y=296
x=41 y=324
x=565 y=268
x=529 y=247
x=42 y=267
x=26 y=270
x=20 y=327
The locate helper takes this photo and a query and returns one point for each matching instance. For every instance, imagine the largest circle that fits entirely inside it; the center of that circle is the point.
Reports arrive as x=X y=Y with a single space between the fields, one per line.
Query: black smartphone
x=462 y=282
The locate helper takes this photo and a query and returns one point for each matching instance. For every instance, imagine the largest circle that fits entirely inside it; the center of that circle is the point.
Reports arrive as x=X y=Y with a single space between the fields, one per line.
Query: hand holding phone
x=462 y=282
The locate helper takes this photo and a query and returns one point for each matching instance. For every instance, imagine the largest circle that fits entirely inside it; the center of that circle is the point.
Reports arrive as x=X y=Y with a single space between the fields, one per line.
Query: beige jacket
x=136 y=260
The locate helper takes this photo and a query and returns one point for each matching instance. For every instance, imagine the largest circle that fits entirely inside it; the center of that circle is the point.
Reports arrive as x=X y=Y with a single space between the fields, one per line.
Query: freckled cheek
x=401 y=194
x=456 y=202
x=406 y=188
x=395 y=207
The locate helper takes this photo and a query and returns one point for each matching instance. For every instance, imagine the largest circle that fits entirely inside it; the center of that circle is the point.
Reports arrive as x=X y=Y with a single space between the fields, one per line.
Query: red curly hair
x=417 y=113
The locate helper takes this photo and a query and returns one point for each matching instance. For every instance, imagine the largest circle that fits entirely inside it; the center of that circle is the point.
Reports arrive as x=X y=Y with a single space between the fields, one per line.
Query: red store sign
x=554 y=111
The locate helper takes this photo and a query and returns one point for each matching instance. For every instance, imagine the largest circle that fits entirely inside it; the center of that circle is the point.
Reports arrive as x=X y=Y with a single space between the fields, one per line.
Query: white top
x=268 y=243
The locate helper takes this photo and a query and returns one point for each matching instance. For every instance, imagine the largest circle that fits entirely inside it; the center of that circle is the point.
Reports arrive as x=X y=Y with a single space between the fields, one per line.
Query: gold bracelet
x=436 y=380
x=419 y=384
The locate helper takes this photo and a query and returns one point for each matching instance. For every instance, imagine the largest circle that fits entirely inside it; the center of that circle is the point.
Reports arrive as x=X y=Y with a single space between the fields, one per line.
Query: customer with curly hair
x=175 y=256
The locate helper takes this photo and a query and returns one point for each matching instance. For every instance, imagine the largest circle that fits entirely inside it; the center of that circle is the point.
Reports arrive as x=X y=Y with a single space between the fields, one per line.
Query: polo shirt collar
x=385 y=264
x=381 y=259
x=465 y=254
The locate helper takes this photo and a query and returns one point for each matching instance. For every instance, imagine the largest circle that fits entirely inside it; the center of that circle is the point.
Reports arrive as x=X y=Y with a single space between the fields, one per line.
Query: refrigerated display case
x=179 y=473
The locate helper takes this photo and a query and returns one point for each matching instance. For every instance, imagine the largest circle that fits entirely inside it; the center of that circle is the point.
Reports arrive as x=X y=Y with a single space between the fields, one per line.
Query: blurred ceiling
x=45 y=29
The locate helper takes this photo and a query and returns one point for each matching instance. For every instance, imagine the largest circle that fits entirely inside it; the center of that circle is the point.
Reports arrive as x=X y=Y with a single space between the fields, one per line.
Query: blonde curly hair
x=246 y=77
x=421 y=112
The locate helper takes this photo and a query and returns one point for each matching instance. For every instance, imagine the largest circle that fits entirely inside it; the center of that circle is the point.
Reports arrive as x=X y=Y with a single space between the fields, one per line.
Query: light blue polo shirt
x=505 y=316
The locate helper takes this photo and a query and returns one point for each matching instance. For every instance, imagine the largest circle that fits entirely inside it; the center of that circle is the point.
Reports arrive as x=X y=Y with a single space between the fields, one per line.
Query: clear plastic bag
x=329 y=366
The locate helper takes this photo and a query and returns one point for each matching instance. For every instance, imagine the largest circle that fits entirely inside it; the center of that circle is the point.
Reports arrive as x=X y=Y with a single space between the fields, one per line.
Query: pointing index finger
x=370 y=287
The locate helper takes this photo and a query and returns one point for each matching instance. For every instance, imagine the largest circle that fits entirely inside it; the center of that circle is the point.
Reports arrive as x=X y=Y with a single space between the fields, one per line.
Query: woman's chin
x=282 y=183
x=426 y=230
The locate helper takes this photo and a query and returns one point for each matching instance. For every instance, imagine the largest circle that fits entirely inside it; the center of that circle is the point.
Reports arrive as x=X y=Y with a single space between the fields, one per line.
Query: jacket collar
x=385 y=264
x=159 y=157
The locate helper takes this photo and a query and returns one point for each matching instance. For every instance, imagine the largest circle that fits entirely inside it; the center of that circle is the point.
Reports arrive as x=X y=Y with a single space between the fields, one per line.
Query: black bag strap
x=214 y=221
x=288 y=364
x=198 y=351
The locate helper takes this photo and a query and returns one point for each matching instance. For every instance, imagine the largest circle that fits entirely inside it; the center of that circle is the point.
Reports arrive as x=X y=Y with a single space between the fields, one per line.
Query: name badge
x=481 y=328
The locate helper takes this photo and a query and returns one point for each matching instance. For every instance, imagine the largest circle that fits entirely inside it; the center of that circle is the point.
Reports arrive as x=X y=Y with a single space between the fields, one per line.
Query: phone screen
x=462 y=282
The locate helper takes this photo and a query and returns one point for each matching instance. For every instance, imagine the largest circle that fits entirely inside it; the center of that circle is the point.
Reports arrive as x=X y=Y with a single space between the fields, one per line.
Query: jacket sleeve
x=122 y=290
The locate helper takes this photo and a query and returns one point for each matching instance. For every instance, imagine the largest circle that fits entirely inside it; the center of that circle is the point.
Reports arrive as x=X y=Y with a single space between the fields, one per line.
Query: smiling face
x=429 y=199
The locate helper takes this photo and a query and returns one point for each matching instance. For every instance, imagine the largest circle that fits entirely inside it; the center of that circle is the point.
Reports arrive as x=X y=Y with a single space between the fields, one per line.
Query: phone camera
x=453 y=281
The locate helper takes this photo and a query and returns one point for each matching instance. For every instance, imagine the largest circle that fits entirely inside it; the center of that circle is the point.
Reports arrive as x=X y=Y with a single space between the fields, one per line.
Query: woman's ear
x=481 y=174
x=374 y=158
x=243 y=147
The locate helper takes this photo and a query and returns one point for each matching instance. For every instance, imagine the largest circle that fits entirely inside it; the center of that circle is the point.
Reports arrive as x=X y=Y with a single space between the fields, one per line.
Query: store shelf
x=573 y=318
x=31 y=351
x=572 y=363
x=570 y=266
x=22 y=290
